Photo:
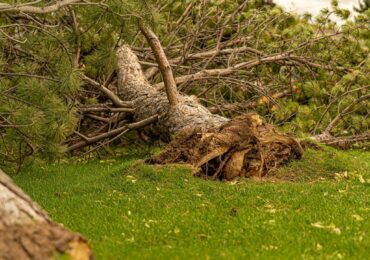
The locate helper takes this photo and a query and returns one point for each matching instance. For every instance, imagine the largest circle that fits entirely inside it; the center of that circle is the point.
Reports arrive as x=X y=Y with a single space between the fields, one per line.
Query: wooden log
x=26 y=231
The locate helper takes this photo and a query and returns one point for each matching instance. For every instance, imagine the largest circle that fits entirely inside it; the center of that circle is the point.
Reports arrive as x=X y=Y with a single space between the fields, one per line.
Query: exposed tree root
x=243 y=147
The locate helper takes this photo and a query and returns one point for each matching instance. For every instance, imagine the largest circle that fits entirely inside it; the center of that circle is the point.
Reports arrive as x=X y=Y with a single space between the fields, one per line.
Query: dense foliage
x=312 y=69
x=42 y=59
x=317 y=93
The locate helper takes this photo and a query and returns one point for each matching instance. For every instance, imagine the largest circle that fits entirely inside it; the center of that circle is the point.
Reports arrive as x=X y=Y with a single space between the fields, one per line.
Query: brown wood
x=341 y=142
x=24 y=8
x=163 y=64
x=26 y=231
x=113 y=97
x=123 y=129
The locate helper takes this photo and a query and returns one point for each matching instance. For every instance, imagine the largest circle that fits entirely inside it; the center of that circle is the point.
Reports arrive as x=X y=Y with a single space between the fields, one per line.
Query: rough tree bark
x=26 y=232
x=217 y=146
x=186 y=114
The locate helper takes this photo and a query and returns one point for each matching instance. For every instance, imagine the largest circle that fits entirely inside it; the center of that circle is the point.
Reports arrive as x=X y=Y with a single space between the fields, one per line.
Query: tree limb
x=115 y=99
x=342 y=142
x=332 y=124
x=163 y=64
x=106 y=109
x=28 y=8
x=90 y=140
x=226 y=71
x=243 y=105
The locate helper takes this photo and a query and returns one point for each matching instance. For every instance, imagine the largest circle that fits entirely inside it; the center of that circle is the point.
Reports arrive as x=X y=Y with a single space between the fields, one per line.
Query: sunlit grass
x=131 y=210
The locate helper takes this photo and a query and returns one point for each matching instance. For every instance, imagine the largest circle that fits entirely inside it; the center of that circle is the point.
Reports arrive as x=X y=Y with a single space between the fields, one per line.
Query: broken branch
x=90 y=140
x=163 y=64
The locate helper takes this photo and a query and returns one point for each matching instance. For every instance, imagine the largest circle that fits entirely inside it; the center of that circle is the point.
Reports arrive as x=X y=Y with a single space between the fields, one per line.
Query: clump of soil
x=244 y=147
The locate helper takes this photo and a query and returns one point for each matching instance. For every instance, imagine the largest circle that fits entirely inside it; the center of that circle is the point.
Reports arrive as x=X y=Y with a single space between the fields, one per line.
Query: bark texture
x=187 y=114
x=26 y=231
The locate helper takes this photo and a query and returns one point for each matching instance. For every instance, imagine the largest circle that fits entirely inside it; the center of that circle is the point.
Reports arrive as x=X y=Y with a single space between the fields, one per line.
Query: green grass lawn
x=128 y=209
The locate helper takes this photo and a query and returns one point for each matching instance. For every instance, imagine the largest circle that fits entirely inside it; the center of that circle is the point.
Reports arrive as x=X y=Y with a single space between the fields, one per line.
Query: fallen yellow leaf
x=357 y=217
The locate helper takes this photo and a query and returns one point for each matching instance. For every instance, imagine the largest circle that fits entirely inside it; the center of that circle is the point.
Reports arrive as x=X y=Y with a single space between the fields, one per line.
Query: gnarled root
x=246 y=146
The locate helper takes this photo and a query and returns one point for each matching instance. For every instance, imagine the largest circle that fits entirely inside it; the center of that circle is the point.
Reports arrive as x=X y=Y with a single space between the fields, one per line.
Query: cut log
x=26 y=231
x=218 y=147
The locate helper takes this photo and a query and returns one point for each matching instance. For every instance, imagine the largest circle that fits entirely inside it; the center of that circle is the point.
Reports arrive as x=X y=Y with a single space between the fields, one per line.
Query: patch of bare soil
x=243 y=147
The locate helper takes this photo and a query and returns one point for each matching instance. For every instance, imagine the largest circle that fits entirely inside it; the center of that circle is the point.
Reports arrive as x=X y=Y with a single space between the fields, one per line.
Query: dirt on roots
x=244 y=147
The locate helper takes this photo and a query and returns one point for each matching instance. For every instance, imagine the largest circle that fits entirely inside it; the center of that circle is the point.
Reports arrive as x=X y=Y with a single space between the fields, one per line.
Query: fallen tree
x=235 y=57
x=26 y=231
x=218 y=147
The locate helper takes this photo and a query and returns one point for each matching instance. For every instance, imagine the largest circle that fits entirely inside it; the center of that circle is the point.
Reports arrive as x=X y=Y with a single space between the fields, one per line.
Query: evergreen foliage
x=271 y=30
x=40 y=83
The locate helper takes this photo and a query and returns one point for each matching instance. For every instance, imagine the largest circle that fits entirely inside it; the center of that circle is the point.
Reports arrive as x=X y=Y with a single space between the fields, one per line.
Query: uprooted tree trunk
x=26 y=232
x=220 y=148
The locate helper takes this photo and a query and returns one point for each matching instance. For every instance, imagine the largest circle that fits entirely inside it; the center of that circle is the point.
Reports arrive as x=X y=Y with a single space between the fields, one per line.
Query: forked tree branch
x=342 y=141
x=115 y=99
x=344 y=112
x=226 y=71
x=91 y=140
x=284 y=58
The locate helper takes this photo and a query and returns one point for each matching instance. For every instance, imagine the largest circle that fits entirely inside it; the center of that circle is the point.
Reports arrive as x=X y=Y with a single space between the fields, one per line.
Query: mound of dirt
x=244 y=147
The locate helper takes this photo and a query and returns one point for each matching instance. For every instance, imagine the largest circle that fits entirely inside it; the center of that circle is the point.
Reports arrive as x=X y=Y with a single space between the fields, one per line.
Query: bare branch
x=345 y=111
x=226 y=71
x=29 y=8
x=90 y=140
x=285 y=58
x=115 y=99
x=102 y=119
x=243 y=105
x=152 y=71
x=164 y=65
x=106 y=109
x=342 y=142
